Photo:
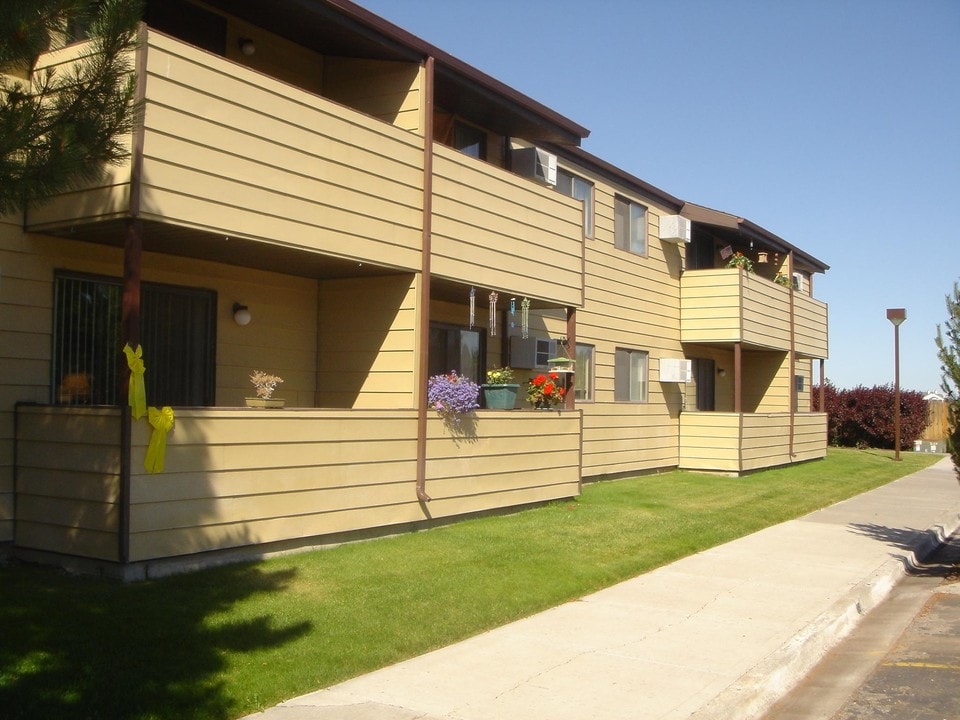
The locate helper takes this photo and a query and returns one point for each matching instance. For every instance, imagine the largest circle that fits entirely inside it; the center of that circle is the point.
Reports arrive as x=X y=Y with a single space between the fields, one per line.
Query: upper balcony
x=226 y=151
x=233 y=153
x=735 y=306
x=495 y=229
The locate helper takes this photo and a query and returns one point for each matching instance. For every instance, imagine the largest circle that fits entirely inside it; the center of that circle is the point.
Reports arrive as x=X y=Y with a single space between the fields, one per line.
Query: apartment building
x=318 y=194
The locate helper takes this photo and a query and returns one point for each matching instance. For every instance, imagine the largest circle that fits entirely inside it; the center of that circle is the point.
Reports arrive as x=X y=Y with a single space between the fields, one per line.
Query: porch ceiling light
x=247 y=46
x=241 y=314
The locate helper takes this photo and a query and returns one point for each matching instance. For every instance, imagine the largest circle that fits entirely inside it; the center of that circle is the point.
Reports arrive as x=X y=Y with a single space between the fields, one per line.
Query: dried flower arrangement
x=265 y=383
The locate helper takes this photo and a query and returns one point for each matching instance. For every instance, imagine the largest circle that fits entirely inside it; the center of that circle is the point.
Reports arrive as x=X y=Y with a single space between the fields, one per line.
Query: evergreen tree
x=948 y=351
x=59 y=126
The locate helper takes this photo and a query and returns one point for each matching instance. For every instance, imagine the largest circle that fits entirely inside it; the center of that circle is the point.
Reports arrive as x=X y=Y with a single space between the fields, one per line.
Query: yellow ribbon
x=137 y=395
x=162 y=422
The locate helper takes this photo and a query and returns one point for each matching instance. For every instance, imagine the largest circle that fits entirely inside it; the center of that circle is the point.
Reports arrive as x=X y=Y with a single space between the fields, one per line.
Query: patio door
x=705 y=374
x=457 y=348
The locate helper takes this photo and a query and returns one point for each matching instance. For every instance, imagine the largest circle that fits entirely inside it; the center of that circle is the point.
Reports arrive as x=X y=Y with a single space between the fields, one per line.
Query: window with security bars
x=177 y=333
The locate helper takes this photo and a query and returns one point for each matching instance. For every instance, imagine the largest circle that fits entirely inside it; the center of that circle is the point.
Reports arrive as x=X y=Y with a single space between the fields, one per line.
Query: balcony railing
x=495 y=229
x=235 y=477
x=740 y=442
x=231 y=151
x=732 y=305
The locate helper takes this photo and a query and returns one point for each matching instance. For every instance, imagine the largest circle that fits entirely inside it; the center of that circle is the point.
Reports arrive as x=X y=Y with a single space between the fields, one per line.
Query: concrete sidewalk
x=721 y=634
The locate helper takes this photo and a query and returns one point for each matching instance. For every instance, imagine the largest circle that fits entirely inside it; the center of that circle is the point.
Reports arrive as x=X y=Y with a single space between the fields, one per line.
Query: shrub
x=864 y=417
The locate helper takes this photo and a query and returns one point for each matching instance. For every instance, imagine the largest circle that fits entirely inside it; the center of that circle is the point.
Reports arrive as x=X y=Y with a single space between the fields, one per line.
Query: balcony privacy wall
x=732 y=442
x=494 y=229
x=233 y=152
x=236 y=478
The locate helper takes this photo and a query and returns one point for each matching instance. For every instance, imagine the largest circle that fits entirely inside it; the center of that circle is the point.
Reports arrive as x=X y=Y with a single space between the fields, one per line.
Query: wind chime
x=493 y=298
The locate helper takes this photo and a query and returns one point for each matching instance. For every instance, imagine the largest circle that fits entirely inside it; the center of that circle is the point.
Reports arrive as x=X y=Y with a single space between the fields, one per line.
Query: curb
x=758 y=689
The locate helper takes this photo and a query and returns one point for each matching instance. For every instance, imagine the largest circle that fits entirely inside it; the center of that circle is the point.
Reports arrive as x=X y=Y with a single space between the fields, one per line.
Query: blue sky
x=835 y=124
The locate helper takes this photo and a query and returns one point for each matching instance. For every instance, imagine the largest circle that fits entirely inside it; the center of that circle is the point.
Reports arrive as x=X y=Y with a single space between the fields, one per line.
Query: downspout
x=423 y=366
x=793 y=357
x=130 y=300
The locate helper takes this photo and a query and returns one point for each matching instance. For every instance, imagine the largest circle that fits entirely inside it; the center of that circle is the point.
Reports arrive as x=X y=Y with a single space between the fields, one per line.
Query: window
x=177 y=332
x=583 y=379
x=630 y=375
x=470 y=140
x=579 y=189
x=630 y=226
x=457 y=348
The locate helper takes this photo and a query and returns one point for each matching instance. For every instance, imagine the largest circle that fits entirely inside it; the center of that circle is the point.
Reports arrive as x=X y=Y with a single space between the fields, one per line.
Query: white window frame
x=580 y=189
x=630 y=225
x=585 y=356
x=636 y=364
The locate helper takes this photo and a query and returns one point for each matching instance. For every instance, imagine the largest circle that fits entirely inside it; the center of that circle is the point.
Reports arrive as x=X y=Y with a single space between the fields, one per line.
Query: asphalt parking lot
x=902 y=661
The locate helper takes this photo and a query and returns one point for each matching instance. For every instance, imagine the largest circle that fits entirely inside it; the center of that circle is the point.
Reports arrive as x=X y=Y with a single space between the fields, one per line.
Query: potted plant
x=546 y=391
x=781 y=279
x=500 y=392
x=453 y=396
x=739 y=260
x=265 y=384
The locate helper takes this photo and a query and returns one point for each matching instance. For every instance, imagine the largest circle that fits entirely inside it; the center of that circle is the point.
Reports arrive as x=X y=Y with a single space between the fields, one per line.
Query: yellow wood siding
x=731 y=305
x=367 y=335
x=390 y=91
x=494 y=229
x=235 y=478
x=68 y=481
x=811 y=326
x=728 y=442
x=231 y=151
x=632 y=302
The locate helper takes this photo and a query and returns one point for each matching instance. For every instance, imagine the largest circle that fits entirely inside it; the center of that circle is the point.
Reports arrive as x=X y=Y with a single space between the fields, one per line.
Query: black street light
x=896 y=316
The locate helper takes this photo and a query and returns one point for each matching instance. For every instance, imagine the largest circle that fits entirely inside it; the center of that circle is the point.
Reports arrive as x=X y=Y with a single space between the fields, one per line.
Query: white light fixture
x=247 y=46
x=241 y=314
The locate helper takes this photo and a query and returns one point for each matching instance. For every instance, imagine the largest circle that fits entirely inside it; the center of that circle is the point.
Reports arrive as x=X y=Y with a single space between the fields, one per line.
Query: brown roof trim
x=709 y=216
x=469 y=73
x=602 y=167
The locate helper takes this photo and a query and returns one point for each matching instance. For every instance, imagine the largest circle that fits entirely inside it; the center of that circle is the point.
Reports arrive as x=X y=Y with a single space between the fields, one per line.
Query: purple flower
x=452 y=396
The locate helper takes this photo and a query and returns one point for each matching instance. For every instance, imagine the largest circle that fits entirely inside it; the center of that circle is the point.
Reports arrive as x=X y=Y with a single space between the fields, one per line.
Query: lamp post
x=896 y=316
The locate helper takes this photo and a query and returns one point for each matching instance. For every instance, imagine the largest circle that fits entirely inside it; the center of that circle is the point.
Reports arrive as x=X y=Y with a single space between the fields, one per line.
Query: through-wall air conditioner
x=678 y=370
x=798 y=281
x=675 y=229
x=532 y=162
x=531 y=352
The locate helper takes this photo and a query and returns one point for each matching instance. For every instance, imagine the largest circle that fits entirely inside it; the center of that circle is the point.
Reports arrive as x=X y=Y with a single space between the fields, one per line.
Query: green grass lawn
x=226 y=642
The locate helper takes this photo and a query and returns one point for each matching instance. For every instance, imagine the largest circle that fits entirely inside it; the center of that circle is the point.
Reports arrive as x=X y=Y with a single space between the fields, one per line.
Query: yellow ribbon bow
x=137 y=395
x=162 y=422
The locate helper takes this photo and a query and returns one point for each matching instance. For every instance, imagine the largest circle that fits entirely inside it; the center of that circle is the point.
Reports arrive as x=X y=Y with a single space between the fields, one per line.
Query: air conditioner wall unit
x=532 y=162
x=678 y=370
x=675 y=229
x=531 y=352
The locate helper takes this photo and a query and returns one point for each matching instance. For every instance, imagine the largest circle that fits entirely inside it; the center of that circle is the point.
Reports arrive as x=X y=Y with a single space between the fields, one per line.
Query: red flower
x=549 y=388
x=539 y=380
x=554 y=376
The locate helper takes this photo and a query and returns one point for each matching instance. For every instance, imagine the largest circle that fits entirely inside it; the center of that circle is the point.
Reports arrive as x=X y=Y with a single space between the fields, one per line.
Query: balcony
x=234 y=153
x=495 y=229
x=742 y=442
x=726 y=306
x=237 y=478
